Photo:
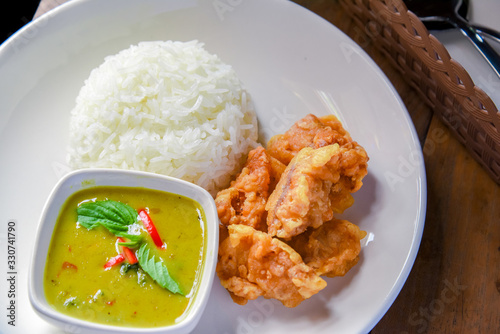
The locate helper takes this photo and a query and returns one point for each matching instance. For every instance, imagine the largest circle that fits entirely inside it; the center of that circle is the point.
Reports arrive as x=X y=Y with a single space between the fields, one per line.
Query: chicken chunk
x=310 y=131
x=315 y=184
x=252 y=264
x=245 y=200
x=332 y=249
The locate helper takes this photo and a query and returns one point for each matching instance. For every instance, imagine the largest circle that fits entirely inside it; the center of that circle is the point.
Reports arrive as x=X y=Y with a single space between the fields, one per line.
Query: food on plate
x=244 y=202
x=332 y=249
x=310 y=131
x=114 y=250
x=254 y=264
x=278 y=231
x=173 y=108
x=312 y=188
x=167 y=107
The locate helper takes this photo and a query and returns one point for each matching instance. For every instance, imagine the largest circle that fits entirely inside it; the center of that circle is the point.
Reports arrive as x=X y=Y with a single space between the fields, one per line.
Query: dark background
x=14 y=15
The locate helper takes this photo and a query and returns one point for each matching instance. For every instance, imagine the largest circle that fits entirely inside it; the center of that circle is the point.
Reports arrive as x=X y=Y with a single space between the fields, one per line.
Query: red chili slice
x=128 y=253
x=114 y=261
x=150 y=227
x=68 y=265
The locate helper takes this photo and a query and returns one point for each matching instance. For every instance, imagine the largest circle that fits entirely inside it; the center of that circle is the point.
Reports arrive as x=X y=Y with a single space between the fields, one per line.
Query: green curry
x=87 y=276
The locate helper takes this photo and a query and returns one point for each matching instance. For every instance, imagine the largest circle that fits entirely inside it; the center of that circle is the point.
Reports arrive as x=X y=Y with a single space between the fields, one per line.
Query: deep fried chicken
x=252 y=264
x=245 y=200
x=310 y=131
x=332 y=249
x=315 y=184
x=291 y=191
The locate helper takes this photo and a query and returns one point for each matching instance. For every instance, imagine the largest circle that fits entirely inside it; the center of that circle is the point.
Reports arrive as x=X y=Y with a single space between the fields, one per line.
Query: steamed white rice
x=164 y=107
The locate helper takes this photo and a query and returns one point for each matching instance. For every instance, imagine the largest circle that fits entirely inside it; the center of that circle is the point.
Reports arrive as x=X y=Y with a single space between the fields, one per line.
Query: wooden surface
x=454 y=286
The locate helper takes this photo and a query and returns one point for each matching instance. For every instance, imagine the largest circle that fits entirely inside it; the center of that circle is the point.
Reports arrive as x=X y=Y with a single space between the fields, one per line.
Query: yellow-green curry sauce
x=75 y=280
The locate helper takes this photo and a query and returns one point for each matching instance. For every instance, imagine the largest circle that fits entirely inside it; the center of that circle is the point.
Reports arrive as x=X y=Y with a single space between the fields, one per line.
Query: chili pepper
x=150 y=227
x=128 y=253
x=114 y=261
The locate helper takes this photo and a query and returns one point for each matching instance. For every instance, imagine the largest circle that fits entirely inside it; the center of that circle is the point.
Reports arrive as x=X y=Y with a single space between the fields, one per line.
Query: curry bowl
x=151 y=275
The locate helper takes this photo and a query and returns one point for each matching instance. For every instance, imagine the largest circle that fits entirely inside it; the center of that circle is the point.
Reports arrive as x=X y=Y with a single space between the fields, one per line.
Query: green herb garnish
x=135 y=240
x=114 y=216
x=157 y=270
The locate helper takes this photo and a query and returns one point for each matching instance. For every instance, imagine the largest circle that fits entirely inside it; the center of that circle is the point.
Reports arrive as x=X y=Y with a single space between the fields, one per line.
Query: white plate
x=292 y=63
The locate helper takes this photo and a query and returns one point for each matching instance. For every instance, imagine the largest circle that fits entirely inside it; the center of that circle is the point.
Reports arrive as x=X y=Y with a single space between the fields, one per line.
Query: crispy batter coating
x=332 y=249
x=310 y=131
x=252 y=264
x=315 y=184
x=291 y=190
x=245 y=200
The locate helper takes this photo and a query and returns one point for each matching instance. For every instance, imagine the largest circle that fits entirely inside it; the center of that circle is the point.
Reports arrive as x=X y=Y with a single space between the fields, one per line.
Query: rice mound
x=166 y=107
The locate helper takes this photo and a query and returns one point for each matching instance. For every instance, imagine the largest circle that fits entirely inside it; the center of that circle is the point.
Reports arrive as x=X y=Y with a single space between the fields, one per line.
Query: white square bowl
x=86 y=178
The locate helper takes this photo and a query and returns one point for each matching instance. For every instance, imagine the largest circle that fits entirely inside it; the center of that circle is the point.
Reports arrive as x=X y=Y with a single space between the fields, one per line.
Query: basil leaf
x=113 y=215
x=157 y=270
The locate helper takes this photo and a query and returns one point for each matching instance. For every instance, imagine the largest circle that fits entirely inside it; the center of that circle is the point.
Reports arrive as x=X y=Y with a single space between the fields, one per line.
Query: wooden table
x=454 y=286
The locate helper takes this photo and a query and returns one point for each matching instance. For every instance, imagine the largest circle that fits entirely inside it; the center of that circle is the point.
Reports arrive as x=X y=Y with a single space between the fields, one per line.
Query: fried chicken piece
x=252 y=264
x=245 y=200
x=315 y=184
x=332 y=249
x=310 y=131
x=277 y=169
